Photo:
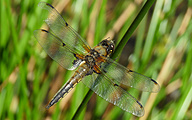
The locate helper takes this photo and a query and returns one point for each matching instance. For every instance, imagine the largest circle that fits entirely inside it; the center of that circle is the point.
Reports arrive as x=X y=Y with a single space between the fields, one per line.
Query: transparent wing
x=113 y=93
x=58 y=50
x=63 y=30
x=122 y=75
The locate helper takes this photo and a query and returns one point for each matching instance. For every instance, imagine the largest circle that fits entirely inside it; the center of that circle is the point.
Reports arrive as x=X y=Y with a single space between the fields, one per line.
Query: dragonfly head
x=108 y=45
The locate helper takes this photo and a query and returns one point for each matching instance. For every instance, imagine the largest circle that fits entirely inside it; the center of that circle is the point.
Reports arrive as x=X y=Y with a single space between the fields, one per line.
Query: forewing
x=57 y=49
x=63 y=30
x=111 y=92
x=122 y=75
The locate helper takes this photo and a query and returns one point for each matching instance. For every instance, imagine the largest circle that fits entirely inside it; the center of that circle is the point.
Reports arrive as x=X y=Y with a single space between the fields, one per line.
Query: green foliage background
x=160 y=48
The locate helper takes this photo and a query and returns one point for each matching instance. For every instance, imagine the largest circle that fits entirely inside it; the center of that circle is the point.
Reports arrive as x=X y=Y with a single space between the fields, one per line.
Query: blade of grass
x=184 y=104
x=83 y=104
x=119 y=48
x=132 y=28
x=151 y=33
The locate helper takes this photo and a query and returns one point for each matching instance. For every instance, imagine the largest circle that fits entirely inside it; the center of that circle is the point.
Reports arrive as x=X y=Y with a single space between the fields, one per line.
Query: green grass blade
x=132 y=28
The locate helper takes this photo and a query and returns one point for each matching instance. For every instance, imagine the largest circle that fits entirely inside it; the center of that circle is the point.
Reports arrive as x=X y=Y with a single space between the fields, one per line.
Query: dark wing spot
x=115 y=84
x=66 y=24
x=104 y=71
x=140 y=104
x=130 y=71
x=63 y=44
x=154 y=82
x=44 y=31
x=50 y=5
x=75 y=55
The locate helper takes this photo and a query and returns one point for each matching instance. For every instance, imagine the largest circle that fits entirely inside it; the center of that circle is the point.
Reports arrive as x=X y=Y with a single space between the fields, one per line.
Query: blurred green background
x=160 y=48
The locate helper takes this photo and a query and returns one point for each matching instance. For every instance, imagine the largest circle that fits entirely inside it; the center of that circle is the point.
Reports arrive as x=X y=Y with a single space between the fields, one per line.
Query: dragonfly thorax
x=89 y=60
x=105 y=47
x=91 y=57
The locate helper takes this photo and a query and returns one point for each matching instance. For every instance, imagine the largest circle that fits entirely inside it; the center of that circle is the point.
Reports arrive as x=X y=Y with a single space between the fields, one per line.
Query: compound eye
x=112 y=48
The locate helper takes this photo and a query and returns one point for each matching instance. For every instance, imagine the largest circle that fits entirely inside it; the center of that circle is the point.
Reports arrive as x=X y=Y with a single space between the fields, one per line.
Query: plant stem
x=82 y=105
x=132 y=28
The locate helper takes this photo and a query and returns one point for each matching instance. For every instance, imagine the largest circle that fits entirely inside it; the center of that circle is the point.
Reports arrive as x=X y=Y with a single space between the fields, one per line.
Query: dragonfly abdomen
x=77 y=76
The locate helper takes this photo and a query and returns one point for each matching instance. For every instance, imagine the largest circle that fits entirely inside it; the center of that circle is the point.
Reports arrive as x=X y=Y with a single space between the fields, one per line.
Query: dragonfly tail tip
x=48 y=106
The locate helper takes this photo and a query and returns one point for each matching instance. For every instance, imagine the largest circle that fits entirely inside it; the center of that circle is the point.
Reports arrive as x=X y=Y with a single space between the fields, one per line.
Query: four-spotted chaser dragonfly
x=103 y=75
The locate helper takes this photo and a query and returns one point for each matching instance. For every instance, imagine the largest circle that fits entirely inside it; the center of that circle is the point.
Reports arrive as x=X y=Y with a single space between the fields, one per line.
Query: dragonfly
x=93 y=66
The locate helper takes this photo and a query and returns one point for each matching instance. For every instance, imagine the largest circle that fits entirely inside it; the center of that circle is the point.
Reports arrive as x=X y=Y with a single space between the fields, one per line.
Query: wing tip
x=49 y=5
x=140 y=111
x=156 y=87
x=141 y=106
x=41 y=4
x=154 y=81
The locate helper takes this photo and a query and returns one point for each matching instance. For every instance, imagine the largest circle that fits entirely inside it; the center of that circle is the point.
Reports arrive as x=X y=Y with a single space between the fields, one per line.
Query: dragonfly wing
x=58 y=50
x=122 y=75
x=63 y=30
x=113 y=93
